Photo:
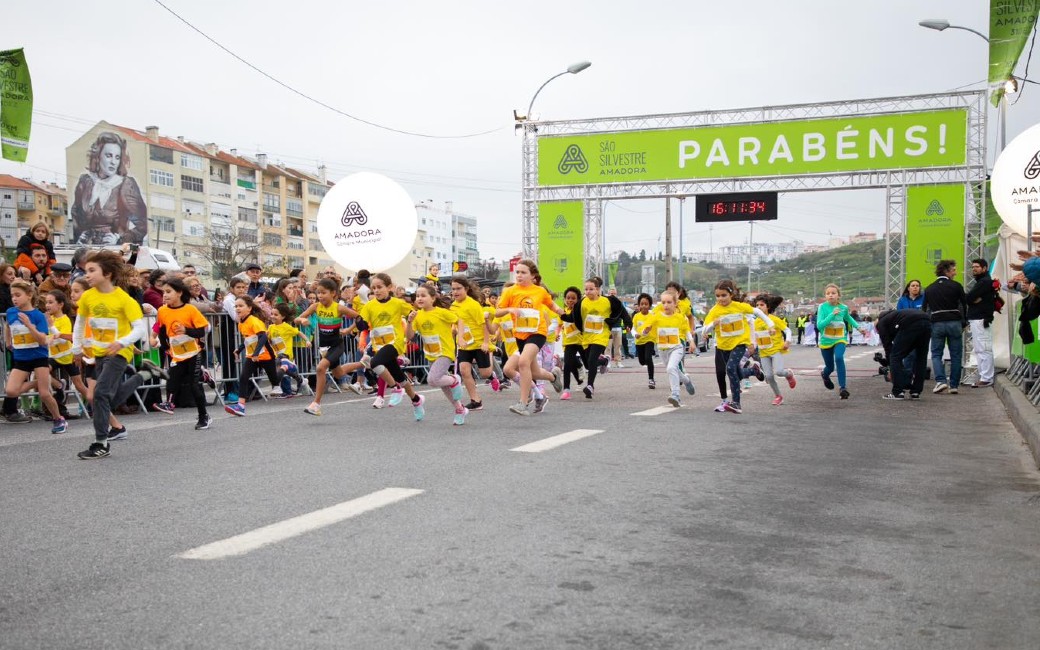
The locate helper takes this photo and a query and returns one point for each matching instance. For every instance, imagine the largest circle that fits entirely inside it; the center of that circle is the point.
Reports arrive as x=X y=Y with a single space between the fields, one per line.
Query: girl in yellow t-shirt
x=59 y=309
x=671 y=330
x=474 y=338
x=573 y=363
x=727 y=320
x=590 y=316
x=644 y=342
x=385 y=316
x=770 y=346
x=436 y=325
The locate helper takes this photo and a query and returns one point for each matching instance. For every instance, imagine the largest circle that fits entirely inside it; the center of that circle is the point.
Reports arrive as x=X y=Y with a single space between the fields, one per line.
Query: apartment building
x=452 y=236
x=24 y=203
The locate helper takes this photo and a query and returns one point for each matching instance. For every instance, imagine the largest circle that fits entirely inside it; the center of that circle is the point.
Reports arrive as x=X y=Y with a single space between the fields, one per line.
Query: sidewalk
x=1023 y=414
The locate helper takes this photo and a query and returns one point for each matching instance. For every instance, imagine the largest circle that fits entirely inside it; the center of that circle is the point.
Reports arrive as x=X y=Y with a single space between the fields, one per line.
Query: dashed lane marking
x=552 y=442
x=655 y=411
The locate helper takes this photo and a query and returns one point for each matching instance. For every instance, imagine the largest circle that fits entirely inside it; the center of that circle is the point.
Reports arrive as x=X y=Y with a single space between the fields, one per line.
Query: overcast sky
x=448 y=68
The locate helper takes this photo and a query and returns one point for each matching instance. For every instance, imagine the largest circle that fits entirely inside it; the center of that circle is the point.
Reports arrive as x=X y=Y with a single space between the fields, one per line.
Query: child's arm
x=302 y=318
x=347 y=311
x=41 y=337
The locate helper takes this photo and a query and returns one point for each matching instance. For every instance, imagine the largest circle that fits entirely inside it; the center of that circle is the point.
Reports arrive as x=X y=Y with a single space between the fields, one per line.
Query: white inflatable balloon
x=367 y=221
x=1015 y=183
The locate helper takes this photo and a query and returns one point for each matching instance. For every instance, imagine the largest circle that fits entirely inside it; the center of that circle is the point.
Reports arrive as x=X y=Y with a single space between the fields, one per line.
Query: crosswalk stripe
x=283 y=530
x=657 y=410
x=552 y=442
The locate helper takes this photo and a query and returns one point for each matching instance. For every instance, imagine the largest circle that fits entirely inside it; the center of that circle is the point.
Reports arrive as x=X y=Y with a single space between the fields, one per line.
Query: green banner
x=561 y=245
x=934 y=230
x=1011 y=23
x=819 y=146
x=16 y=102
x=612 y=269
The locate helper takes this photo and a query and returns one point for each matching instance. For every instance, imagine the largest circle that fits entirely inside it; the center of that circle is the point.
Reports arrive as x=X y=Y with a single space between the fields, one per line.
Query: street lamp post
x=573 y=68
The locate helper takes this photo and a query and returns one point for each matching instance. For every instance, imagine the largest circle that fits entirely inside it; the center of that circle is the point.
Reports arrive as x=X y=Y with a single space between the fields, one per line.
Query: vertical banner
x=934 y=229
x=561 y=244
x=16 y=102
x=612 y=269
x=1011 y=23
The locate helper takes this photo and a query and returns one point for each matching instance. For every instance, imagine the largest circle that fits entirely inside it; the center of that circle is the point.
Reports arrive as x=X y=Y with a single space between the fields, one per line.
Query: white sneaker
x=941 y=387
x=378 y=403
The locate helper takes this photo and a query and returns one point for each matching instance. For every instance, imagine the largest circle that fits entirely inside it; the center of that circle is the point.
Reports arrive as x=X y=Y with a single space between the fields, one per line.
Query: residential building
x=24 y=203
x=453 y=236
x=760 y=253
x=464 y=241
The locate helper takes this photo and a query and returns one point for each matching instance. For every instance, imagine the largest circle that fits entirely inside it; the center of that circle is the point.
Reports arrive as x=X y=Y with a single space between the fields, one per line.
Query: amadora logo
x=353 y=213
x=560 y=223
x=573 y=159
x=935 y=208
x=1032 y=170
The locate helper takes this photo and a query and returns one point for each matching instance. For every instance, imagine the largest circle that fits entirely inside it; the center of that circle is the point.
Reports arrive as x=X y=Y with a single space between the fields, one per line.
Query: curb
x=1024 y=415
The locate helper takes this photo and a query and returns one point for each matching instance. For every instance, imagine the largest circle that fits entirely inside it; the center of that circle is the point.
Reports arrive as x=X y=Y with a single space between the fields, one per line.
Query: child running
x=672 y=331
x=283 y=342
x=59 y=311
x=728 y=319
x=27 y=337
x=116 y=429
x=831 y=320
x=257 y=347
x=331 y=341
x=644 y=342
x=181 y=328
x=572 y=348
x=771 y=347
x=523 y=301
x=116 y=322
x=434 y=324
x=474 y=338
x=590 y=316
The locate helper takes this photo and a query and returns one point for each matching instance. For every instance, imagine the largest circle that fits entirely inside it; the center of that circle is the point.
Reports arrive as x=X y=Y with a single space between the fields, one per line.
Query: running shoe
x=565 y=394
x=778 y=401
x=581 y=375
x=893 y=396
x=505 y=384
x=674 y=401
x=17 y=418
x=843 y=394
x=940 y=387
x=915 y=395
x=474 y=405
x=354 y=387
x=460 y=416
x=733 y=408
x=207 y=379
x=520 y=409
x=756 y=368
x=953 y=390
x=540 y=401
x=117 y=434
x=495 y=384
x=154 y=370
x=366 y=361
x=791 y=381
x=313 y=409
x=418 y=408
x=164 y=407
x=235 y=409
x=688 y=383
x=557 y=382
x=588 y=390
x=651 y=385
x=396 y=395
x=827 y=383
x=203 y=423
x=721 y=408
x=456 y=389
x=60 y=426
x=378 y=403
x=94 y=451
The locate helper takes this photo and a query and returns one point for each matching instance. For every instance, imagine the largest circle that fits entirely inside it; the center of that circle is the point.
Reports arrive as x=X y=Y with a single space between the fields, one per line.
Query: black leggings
x=645 y=354
x=572 y=360
x=269 y=366
x=721 y=359
x=387 y=357
x=188 y=371
x=592 y=354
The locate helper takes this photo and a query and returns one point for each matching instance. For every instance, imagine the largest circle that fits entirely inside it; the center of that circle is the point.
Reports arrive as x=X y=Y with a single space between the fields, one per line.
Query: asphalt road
x=819 y=524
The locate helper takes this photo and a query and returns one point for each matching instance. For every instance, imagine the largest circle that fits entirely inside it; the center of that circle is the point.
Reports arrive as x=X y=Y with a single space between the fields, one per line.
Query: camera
x=883 y=365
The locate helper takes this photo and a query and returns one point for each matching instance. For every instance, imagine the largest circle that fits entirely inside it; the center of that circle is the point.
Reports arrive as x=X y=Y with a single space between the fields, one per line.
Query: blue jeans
x=947 y=333
x=834 y=358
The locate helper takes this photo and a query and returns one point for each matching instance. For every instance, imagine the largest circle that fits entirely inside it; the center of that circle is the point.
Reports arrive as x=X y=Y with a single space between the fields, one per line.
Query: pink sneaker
x=495 y=384
x=779 y=400
x=565 y=394
x=791 y=381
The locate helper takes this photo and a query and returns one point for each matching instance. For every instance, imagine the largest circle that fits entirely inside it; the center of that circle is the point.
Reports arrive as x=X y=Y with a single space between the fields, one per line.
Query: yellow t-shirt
x=60 y=349
x=109 y=316
x=471 y=323
x=282 y=337
x=668 y=331
x=386 y=323
x=639 y=322
x=571 y=334
x=769 y=344
x=505 y=330
x=594 y=314
x=529 y=300
x=731 y=326
x=434 y=326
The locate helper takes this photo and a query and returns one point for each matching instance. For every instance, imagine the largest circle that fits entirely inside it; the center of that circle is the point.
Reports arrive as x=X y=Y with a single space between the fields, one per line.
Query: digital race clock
x=745 y=206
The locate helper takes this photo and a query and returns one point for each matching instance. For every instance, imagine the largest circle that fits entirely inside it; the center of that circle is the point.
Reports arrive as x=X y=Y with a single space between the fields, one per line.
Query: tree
x=485 y=270
x=642 y=254
x=228 y=249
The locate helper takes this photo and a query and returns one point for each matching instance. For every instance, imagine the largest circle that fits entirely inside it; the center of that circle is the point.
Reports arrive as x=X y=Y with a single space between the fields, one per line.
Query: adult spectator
x=40 y=234
x=190 y=272
x=199 y=297
x=33 y=267
x=153 y=294
x=800 y=325
x=254 y=287
x=944 y=301
x=7 y=276
x=905 y=333
x=60 y=279
x=912 y=297
x=980 y=301
x=79 y=261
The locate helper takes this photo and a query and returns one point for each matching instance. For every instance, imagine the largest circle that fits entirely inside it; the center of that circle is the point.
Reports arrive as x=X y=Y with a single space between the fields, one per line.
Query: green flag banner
x=612 y=269
x=1011 y=23
x=817 y=146
x=16 y=102
x=934 y=229
x=561 y=244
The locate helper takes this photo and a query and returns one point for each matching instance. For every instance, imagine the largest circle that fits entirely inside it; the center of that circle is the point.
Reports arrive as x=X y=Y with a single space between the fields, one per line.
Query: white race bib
x=594 y=324
x=104 y=331
x=732 y=325
x=431 y=345
x=382 y=336
x=22 y=338
x=667 y=337
x=183 y=347
x=527 y=320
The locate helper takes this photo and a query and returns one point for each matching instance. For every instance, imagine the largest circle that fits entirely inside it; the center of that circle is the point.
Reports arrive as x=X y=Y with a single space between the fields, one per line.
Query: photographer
x=902 y=332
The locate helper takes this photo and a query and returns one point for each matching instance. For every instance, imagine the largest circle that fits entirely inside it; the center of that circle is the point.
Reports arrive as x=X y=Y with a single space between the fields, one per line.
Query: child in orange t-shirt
x=181 y=325
x=253 y=328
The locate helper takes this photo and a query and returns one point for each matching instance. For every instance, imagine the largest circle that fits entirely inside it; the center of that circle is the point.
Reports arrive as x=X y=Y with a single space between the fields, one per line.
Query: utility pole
x=668 y=238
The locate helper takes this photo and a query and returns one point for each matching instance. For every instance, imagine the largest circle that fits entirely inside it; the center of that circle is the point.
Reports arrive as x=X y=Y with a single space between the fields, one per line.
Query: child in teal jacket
x=833 y=322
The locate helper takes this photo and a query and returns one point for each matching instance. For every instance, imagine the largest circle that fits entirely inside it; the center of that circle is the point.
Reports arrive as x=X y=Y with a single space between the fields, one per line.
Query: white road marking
x=546 y=444
x=283 y=530
x=657 y=410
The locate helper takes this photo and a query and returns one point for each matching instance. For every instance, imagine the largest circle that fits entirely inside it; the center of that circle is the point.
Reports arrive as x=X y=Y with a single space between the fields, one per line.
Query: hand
x=255 y=358
x=484 y=347
x=154 y=341
x=236 y=355
x=178 y=329
x=837 y=311
x=24 y=319
x=411 y=316
x=113 y=348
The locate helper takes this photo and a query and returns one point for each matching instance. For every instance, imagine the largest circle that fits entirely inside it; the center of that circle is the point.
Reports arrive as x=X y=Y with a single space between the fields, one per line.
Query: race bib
x=527 y=321
x=60 y=350
x=431 y=345
x=667 y=337
x=570 y=334
x=732 y=325
x=763 y=339
x=104 y=331
x=382 y=336
x=88 y=350
x=465 y=335
x=594 y=324
x=183 y=347
x=22 y=338
x=278 y=345
x=835 y=330
x=251 y=345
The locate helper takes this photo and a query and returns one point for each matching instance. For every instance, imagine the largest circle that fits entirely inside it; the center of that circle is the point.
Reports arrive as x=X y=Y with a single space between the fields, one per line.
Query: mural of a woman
x=108 y=208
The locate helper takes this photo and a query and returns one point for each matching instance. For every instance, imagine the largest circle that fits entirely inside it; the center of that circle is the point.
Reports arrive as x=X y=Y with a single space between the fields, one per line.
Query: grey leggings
x=438 y=376
x=773 y=367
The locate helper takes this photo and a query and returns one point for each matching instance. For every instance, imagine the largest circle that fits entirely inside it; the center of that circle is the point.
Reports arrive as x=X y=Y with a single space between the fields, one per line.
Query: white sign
x=1015 y=182
x=367 y=221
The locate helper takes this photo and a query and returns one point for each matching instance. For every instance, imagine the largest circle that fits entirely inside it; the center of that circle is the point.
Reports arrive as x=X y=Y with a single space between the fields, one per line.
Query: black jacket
x=617 y=311
x=980 y=299
x=944 y=300
x=891 y=322
x=1030 y=312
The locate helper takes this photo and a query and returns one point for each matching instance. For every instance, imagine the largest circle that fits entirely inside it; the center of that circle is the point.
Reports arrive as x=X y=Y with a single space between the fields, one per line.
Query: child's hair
x=574 y=290
x=178 y=285
x=671 y=292
x=430 y=289
x=472 y=290
x=729 y=287
x=235 y=282
x=363 y=277
x=836 y=288
x=384 y=278
x=329 y=285
x=533 y=268
x=63 y=300
x=648 y=298
x=596 y=280
x=82 y=281
x=284 y=310
x=680 y=290
x=25 y=287
x=254 y=309
x=112 y=265
x=774 y=303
